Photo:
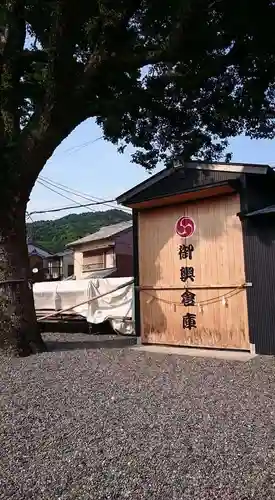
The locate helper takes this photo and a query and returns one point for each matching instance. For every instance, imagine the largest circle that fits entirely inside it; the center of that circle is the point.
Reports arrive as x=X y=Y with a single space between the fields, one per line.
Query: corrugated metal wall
x=259 y=253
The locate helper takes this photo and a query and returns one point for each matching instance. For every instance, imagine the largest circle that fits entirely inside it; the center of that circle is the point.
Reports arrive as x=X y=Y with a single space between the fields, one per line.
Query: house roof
x=61 y=254
x=226 y=168
x=37 y=250
x=103 y=233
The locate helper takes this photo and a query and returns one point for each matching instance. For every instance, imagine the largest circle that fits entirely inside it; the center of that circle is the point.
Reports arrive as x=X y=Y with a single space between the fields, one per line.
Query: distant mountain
x=53 y=235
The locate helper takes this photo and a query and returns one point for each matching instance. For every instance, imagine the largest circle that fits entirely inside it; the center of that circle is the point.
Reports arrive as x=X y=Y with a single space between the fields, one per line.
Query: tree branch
x=34 y=56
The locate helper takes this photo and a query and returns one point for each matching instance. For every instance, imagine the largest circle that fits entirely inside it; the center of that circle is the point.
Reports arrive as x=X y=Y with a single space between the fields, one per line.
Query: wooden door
x=219 y=316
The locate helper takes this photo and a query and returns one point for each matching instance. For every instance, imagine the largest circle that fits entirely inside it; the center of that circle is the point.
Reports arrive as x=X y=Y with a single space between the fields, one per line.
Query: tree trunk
x=19 y=332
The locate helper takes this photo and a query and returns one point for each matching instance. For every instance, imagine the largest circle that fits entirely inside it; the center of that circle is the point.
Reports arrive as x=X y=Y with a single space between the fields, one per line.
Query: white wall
x=110 y=258
x=78 y=263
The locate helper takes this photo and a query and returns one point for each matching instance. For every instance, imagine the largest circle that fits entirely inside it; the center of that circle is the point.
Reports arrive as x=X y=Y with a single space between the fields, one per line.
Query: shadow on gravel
x=118 y=343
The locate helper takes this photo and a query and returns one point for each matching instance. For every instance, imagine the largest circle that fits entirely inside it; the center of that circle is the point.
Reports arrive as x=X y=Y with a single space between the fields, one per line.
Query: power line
x=70 y=207
x=83 y=145
x=85 y=196
x=76 y=148
x=28 y=215
x=59 y=209
x=77 y=204
x=63 y=187
x=62 y=195
x=48 y=184
x=30 y=229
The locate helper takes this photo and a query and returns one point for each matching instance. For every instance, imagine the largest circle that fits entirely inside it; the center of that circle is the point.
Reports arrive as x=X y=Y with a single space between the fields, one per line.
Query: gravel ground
x=93 y=422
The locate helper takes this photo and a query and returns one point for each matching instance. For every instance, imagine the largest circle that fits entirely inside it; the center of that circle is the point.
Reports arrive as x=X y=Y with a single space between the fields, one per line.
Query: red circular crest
x=185 y=227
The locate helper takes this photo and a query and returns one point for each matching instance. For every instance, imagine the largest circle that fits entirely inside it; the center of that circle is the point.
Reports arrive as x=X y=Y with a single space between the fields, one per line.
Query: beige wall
x=78 y=257
x=220 y=306
x=78 y=263
x=110 y=258
x=123 y=246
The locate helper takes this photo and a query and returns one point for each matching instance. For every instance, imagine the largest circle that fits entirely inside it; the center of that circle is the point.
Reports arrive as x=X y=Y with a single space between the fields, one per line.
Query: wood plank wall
x=221 y=308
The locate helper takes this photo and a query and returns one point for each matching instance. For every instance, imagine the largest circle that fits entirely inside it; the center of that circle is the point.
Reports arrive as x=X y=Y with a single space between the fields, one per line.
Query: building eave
x=241 y=168
x=143 y=185
x=94 y=245
x=269 y=210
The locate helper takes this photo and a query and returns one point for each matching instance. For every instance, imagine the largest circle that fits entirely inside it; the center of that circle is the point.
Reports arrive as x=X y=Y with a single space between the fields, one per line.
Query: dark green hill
x=53 y=235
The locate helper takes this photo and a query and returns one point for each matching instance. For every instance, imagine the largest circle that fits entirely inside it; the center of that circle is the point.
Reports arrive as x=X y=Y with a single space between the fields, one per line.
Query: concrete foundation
x=242 y=356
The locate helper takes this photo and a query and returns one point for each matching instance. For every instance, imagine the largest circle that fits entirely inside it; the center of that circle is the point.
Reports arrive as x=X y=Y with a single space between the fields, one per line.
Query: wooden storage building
x=204 y=256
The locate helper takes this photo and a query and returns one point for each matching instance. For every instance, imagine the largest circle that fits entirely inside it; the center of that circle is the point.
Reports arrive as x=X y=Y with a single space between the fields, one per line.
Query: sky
x=92 y=166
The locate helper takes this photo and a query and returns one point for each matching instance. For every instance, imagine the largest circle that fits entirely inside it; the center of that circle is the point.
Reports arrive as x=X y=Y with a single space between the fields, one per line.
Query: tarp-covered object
x=115 y=307
x=45 y=295
x=56 y=295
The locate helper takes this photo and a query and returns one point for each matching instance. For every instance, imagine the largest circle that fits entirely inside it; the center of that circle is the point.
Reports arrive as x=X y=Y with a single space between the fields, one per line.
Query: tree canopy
x=171 y=78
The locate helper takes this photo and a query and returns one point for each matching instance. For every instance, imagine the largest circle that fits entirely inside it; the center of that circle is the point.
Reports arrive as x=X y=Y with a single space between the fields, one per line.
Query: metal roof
x=262 y=211
x=248 y=168
x=103 y=273
x=103 y=233
x=61 y=254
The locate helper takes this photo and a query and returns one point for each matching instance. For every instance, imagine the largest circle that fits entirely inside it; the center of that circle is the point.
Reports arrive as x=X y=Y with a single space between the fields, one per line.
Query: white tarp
x=45 y=295
x=56 y=295
x=116 y=306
